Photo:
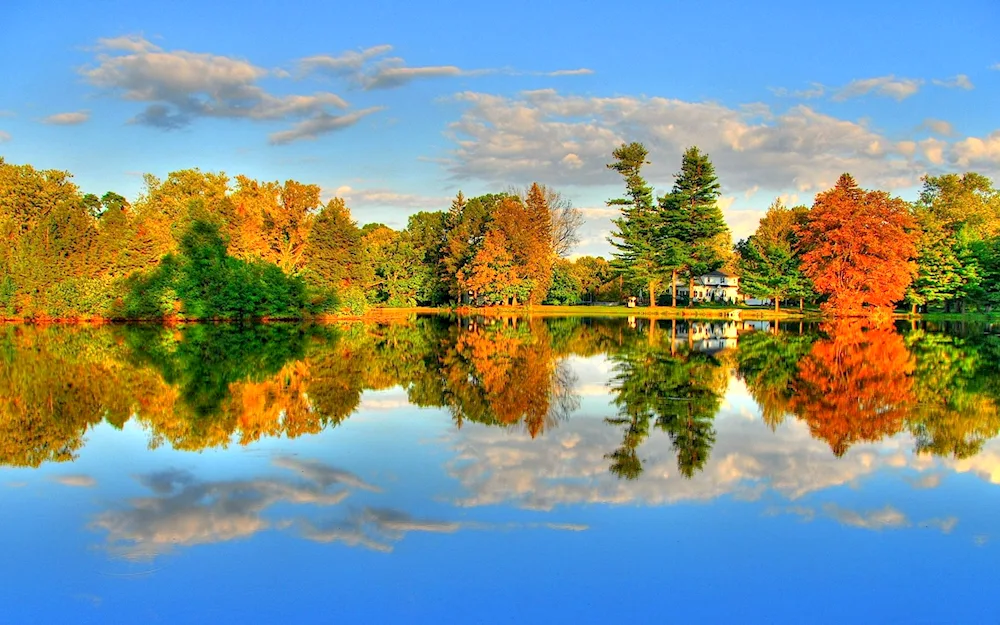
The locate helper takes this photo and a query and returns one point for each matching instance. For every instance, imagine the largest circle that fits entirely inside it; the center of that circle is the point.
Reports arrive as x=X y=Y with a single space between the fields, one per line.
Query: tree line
x=854 y=251
x=199 y=245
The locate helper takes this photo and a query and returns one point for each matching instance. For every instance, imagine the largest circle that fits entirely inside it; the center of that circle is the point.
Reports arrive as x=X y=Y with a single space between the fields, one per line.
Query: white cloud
x=389 y=198
x=885 y=86
x=600 y=211
x=995 y=66
x=945 y=525
x=6 y=113
x=321 y=124
x=67 y=119
x=976 y=151
x=502 y=140
x=817 y=90
x=186 y=512
x=883 y=518
x=364 y=69
x=390 y=76
x=180 y=86
x=323 y=474
x=933 y=150
x=960 y=81
x=939 y=126
x=345 y=64
x=387 y=73
x=127 y=43
x=583 y=71
x=4 y=137
x=78 y=481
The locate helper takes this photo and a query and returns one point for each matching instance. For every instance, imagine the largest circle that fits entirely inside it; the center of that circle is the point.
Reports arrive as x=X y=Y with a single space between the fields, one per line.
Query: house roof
x=721 y=274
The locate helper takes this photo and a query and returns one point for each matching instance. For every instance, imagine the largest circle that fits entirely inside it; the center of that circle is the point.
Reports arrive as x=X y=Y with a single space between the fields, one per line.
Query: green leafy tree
x=957 y=211
x=566 y=287
x=426 y=232
x=769 y=263
x=335 y=255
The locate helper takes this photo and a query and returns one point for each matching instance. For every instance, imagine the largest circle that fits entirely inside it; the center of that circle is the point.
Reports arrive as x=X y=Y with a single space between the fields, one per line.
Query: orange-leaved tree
x=858 y=247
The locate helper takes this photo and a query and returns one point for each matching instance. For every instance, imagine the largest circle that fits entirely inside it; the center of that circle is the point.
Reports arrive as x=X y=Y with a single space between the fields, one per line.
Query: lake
x=442 y=469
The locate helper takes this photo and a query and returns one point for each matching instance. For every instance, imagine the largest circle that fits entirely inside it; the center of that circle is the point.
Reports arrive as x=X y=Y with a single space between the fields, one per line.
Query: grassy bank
x=665 y=312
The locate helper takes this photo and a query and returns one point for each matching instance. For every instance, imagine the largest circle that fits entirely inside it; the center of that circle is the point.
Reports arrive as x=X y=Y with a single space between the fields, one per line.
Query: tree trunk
x=802 y=305
x=913 y=309
x=777 y=304
x=652 y=294
x=690 y=291
x=673 y=288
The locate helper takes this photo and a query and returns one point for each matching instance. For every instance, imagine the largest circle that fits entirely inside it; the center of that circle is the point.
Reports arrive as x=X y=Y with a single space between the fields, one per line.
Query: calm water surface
x=475 y=470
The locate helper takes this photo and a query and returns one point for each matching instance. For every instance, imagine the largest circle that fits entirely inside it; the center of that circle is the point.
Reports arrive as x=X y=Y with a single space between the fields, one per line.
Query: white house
x=713 y=287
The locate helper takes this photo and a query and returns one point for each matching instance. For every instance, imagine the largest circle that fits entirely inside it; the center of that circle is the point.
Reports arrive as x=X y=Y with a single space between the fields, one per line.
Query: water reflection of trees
x=203 y=386
x=501 y=372
x=854 y=386
x=673 y=386
x=851 y=383
x=208 y=385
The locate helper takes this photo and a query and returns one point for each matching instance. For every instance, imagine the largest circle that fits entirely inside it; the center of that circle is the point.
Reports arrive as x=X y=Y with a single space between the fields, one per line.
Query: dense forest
x=199 y=245
x=207 y=385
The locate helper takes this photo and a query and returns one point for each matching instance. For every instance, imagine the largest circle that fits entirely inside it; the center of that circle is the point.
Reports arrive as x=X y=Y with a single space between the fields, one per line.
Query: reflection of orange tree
x=855 y=386
x=505 y=372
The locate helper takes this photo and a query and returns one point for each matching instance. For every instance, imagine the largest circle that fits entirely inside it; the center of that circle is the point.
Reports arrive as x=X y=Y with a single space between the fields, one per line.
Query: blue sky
x=396 y=106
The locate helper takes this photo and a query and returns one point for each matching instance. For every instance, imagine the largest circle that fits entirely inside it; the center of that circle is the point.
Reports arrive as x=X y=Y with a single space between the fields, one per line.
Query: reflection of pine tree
x=682 y=391
x=625 y=462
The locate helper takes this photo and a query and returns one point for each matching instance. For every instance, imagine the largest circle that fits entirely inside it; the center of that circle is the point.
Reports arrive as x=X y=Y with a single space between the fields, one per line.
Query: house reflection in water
x=712 y=337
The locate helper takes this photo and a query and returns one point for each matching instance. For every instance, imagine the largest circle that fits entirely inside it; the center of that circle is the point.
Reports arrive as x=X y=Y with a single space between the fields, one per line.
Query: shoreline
x=395 y=314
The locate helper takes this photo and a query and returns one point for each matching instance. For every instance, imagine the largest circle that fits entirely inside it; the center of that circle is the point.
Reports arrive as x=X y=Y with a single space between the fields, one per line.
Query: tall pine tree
x=695 y=217
x=636 y=238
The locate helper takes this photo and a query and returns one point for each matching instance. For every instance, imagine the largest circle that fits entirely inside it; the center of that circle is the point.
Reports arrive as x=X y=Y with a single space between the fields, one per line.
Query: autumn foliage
x=859 y=247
